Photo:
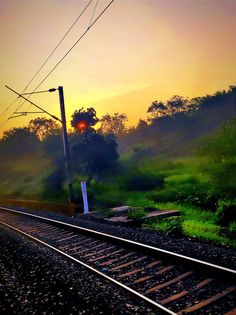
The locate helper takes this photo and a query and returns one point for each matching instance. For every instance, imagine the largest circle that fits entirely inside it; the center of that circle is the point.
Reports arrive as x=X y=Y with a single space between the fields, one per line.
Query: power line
x=64 y=36
x=103 y=11
x=50 y=55
x=43 y=110
x=58 y=63
x=5 y=121
x=93 y=13
x=89 y=27
x=5 y=110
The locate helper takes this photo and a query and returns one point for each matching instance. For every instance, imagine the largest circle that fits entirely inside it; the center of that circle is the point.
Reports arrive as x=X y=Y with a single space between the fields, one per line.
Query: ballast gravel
x=208 y=251
x=35 y=281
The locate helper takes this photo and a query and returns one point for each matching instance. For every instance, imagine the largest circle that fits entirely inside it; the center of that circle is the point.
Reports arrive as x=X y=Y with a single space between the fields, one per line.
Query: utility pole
x=66 y=144
x=64 y=130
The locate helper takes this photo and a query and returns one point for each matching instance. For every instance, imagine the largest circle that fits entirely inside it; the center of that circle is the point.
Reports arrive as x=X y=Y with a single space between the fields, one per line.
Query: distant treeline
x=172 y=129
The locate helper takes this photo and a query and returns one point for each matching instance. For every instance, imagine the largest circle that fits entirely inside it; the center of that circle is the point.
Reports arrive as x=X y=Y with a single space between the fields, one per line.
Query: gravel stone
x=34 y=280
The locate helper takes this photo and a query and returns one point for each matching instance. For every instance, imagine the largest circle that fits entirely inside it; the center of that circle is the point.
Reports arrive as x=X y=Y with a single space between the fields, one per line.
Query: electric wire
x=65 y=55
x=6 y=109
x=50 y=55
x=95 y=7
x=80 y=38
x=64 y=36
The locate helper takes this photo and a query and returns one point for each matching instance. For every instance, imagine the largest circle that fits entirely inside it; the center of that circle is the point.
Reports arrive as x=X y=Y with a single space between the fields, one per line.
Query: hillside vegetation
x=182 y=157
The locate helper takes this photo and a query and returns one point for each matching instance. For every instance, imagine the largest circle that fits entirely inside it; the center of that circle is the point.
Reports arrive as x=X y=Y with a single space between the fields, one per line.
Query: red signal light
x=82 y=125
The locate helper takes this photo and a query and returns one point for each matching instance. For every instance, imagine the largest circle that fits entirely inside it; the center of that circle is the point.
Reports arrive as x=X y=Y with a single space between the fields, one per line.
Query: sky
x=138 y=51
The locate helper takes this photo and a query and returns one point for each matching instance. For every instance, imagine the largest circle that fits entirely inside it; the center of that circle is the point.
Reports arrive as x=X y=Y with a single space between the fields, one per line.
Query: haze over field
x=138 y=52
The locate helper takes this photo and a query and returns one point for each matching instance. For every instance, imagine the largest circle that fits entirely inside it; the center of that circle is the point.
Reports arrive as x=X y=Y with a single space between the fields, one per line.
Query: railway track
x=171 y=283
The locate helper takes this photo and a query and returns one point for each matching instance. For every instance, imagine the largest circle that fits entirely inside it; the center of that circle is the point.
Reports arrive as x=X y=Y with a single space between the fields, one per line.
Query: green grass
x=195 y=222
x=172 y=225
x=206 y=230
x=24 y=176
x=136 y=214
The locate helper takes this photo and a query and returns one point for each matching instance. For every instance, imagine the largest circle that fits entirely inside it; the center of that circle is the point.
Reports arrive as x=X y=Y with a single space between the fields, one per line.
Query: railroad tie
x=107 y=255
x=139 y=270
x=232 y=312
x=105 y=263
x=128 y=263
x=207 y=302
x=185 y=292
x=163 y=270
x=166 y=284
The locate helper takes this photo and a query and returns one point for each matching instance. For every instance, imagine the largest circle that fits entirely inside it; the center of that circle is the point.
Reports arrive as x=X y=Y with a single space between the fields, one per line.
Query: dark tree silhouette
x=94 y=155
x=84 y=119
x=157 y=109
x=113 y=124
x=42 y=127
x=19 y=141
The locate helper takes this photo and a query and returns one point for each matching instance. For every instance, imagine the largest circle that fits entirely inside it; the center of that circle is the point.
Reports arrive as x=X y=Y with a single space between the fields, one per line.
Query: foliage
x=232 y=230
x=172 y=225
x=53 y=184
x=220 y=149
x=226 y=211
x=113 y=124
x=84 y=119
x=172 y=106
x=205 y=230
x=18 y=140
x=135 y=214
x=139 y=181
x=43 y=127
x=94 y=155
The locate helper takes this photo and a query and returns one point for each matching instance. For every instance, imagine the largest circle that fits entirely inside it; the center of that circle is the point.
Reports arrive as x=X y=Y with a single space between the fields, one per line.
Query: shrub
x=204 y=230
x=53 y=185
x=143 y=182
x=172 y=225
x=232 y=230
x=226 y=212
x=136 y=214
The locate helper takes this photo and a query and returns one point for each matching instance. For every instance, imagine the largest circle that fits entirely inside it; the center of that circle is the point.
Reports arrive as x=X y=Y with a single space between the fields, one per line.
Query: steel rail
x=161 y=308
x=211 y=267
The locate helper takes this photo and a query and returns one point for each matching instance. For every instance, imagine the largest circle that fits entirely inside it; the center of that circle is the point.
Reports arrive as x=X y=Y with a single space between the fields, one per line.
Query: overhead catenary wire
x=94 y=10
x=44 y=63
x=43 y=110
x=79 y=39
x=64 y=56
x=6 y=120
x=59 y=43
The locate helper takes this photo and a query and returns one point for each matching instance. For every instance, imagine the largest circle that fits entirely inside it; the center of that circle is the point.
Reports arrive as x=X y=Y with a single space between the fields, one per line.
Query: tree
x=94 y=155
x=113 y=124
x=19 y=141
x=220 y=150
x=84 y=119
x=142 y=124
x=42 y=127
x=172 y=106
x=176 y=104
x=157 y=109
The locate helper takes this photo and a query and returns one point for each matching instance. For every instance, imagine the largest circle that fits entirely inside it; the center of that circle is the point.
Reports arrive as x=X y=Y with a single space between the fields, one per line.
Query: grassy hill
x=179 y=134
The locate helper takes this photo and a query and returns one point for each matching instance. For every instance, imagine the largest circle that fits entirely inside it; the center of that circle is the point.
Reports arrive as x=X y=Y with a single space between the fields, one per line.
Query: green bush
x=135 y=214
x=172 y=225
x=142 y=182
x=204 y=230
x=226 y=211
x=232 y=231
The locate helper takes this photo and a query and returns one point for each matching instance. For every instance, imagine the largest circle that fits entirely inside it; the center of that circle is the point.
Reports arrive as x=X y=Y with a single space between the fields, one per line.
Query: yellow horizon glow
x=138 y=52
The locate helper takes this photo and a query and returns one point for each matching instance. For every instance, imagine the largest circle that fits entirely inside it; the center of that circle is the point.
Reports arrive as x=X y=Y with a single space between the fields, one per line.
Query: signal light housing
x=82 y=125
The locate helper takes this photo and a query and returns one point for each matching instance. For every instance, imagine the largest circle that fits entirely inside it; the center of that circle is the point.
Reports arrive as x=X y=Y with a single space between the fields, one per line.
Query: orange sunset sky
x=139 y=51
